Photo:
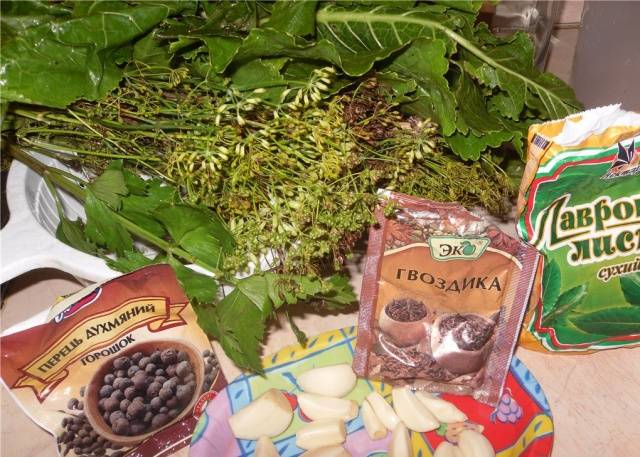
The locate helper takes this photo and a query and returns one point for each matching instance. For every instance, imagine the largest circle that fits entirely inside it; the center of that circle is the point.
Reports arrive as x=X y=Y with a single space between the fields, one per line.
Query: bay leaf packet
x=579 y=205
x=443 y=296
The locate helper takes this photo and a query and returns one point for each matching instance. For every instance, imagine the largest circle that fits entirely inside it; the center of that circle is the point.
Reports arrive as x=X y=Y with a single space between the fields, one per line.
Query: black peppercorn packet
x=119 y=368
x=443 y=297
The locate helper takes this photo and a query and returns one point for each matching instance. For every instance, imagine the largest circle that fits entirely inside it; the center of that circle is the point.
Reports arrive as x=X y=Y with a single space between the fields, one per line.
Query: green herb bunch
x=265 y=128
x=295 y=182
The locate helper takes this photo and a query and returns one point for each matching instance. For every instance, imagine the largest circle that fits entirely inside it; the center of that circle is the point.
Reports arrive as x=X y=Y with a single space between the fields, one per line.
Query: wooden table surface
x=595 y=399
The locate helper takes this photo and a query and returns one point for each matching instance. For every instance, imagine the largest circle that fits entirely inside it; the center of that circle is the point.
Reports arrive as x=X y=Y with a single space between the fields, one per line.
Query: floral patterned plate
x=521 y=425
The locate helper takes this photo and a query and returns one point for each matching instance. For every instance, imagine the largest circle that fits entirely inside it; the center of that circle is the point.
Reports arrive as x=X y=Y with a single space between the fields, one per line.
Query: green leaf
x=471 y=6
x=18 y=16
x=508 y=64
x=129 y=261
x=261 y=73
x=199 y=231
x=150 y=51
x=296 y=17
x=135 y=184
x=103 y=228
x=566 y=304
x=551 y=282
x=200 y=288
x=506 y=105
x=222 y=50
x=62 y=60
x=426 y=63
x=257 y=288
x=364 y=35
x=470 y=146
x=472 y=109
x=238 y=321
x=273 y=43
x=339 y=292
x=232 y=16
x=610 y=322
x=203 y=243
x=572 y=297
x=144 y=221
x=398 y=89
x=72 y=233
x=238 y=326
x=156 y=193
x=339 y=44
x=109 y=187
x=630 y=285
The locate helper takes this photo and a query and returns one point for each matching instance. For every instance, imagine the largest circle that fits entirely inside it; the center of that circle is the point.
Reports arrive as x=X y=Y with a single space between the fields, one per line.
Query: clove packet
x=120 y=368
x=443 y=296
x=579 y=205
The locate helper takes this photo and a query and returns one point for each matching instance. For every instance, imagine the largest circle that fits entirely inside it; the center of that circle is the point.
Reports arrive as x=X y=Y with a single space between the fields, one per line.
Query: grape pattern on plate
x=508 y=410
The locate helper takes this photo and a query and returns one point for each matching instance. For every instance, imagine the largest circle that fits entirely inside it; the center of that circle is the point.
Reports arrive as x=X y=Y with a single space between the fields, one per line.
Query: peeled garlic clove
x=268 y=415
x=374 y=427
x=444 y=411
x=327 y=451
x=332 y=380
x=446 y=449
x=318 y=407
x=474 y=444
x=321 y=433
x=383 y=410
x=265 y=448
x=400 y=445
x=412 y=412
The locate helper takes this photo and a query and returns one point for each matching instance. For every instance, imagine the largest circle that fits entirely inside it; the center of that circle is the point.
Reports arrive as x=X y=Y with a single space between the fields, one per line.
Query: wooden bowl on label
x=92 y=391
x=405 y=333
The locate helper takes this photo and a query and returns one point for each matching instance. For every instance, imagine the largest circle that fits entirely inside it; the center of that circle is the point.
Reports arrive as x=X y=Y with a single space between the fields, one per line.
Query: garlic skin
x=372 y=424
x=446 y=449
x=331 y=381
x=269 y=415
x=327 y=451
x=412 y=412
x=265 y=448
x=383 y=410
x=318 y=407
x=474 y=444
x=443 y=410
x=328 y=432
x=400 y=445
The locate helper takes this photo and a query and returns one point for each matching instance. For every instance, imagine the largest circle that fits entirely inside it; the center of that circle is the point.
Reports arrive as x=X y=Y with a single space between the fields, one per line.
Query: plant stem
x=71 y=151
x=53 y=175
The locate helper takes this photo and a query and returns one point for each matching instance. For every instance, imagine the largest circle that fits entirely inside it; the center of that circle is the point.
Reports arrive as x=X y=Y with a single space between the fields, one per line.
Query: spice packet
x=442 y=300
x=579 y=204
x=119 y=368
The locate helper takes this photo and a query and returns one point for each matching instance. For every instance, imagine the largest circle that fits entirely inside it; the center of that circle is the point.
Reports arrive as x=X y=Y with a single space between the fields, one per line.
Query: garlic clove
x=265 y=448
x=412 y=412
x=372 y=424
x=474 y=444
x=443 y=410
x=269 y=415
x=327 y=451
x=318 y=407
x=331 y=381
x=327 y=432
x=400 y=445
x=383 y=410
x=446 y=449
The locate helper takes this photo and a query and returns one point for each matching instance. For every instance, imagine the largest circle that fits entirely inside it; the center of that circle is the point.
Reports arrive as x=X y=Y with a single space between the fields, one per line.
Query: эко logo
x=453 y=247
